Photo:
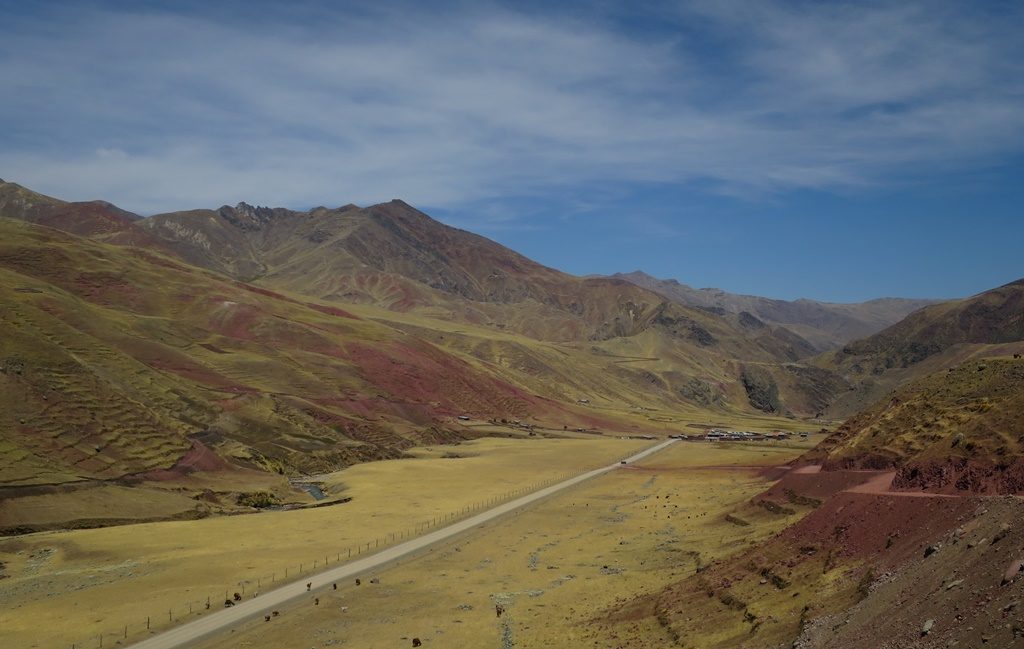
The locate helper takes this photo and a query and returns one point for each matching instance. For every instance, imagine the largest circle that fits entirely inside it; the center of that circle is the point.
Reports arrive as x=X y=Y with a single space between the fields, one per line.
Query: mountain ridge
x=826 y=325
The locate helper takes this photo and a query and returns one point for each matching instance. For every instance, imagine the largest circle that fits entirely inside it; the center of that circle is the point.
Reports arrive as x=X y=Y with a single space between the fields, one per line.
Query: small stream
x=312 y=488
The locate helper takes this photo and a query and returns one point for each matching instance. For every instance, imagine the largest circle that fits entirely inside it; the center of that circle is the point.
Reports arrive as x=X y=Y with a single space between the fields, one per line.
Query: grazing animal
x=228 y=603
x=275 y=613
x=498 y=610
x=238 y=597
x=1016 y=355
x=358 y=583
x=416 y=642
x=316 y=602
x=334 y=586
x=309 y=586
x=266 y=618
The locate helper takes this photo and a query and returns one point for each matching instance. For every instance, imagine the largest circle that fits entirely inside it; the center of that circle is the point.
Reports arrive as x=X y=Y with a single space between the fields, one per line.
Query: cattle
x=316 y=602
x=266 y=618
x=416 y=642
x=1016 y=355
x=309 y=586
x=238 y=597
x=358 y=582
x=228 y=603
x=498 y=610
x=334 y=586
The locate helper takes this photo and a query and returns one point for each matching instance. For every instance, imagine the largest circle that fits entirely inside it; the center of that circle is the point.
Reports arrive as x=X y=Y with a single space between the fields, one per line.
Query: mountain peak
x=248 y=217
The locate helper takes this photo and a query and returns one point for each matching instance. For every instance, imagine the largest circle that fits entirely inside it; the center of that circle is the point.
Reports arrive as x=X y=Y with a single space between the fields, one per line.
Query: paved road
x=223 y=619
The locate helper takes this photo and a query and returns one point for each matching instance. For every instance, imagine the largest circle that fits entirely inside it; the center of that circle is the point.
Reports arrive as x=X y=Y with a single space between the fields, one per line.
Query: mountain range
x=825 y=325
x=294 y=342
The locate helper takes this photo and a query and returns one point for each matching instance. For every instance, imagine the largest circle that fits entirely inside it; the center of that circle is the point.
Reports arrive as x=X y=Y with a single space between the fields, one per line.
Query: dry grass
x=556 y=568
x=71 y=586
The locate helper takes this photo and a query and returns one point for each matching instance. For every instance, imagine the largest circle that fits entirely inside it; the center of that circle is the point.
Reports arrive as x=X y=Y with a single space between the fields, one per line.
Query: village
x=720 y=435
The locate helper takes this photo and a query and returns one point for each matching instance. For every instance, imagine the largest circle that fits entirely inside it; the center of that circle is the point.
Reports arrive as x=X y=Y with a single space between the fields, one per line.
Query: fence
x=249 y=586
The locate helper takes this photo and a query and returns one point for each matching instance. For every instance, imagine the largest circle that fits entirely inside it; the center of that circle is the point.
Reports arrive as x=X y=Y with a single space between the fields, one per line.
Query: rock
x=930 y=550
x=1004 y=529
x=953 y=584
x=1012 y=571
x=927 y=628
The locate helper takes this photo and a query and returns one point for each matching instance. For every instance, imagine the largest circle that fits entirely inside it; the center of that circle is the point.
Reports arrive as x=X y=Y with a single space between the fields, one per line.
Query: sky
x=831 y=150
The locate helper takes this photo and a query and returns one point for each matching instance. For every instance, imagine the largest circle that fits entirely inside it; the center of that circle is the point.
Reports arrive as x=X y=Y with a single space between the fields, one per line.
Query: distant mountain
x=995 y=316
x=825 y=325
x=92 y=218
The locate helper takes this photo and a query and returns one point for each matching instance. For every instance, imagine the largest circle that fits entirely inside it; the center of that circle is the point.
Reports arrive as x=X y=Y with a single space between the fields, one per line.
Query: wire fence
x=250 y=586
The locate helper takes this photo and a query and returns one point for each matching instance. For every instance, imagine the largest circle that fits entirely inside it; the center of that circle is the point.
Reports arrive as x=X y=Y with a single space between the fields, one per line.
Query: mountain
x=955 y=430
x=92 y=218
x=283 y=343
x=934 y=338
x=397 y=258
x=394 y=256
x=891 y=522
x=825 y=325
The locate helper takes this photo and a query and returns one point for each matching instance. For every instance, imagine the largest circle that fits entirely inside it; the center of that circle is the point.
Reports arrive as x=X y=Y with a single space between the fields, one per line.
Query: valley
x=203 y=406
x=512 y=325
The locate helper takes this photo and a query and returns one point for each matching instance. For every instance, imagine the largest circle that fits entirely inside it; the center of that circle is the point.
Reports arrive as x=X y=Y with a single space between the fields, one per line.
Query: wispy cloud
x=160 y=109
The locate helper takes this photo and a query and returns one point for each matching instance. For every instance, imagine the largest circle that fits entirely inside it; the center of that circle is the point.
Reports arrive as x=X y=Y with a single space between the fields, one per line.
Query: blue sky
x=831 y=150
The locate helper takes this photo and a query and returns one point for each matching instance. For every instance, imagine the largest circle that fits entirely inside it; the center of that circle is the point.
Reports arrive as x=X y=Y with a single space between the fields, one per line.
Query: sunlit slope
x=115 y=359
x=957 y=429
x=112 y=356
x=395 y=256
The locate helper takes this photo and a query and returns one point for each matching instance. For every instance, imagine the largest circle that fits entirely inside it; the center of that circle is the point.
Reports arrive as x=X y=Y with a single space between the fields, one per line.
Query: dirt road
x=213 y=623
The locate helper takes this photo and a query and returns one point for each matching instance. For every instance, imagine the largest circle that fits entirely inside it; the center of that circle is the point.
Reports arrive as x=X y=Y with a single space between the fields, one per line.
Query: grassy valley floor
x=60 y=588
x=555 y=568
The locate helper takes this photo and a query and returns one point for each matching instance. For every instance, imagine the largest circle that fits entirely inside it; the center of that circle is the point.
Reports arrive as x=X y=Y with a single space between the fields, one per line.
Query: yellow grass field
x=69 y=587
x=555 y=568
